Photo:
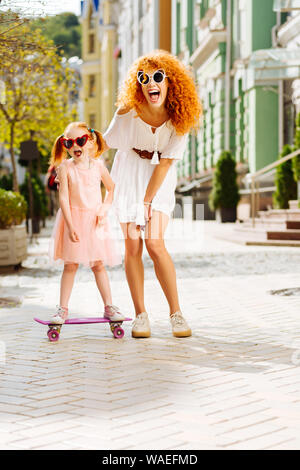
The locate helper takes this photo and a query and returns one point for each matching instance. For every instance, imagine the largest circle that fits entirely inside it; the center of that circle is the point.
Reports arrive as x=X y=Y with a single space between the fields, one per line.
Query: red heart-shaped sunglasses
x=81 y=141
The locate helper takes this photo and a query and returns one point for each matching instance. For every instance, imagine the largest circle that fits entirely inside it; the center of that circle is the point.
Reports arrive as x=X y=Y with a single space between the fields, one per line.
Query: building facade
x=91 y=68
x=245 y=58
x=144 y=25
x=114 y=34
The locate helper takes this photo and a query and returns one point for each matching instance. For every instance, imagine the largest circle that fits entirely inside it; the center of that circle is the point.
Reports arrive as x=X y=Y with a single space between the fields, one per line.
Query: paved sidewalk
x=235 y=384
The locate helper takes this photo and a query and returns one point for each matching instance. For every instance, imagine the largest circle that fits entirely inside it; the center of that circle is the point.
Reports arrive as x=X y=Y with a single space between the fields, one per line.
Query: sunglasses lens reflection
x=68 y=143
x=143 y=78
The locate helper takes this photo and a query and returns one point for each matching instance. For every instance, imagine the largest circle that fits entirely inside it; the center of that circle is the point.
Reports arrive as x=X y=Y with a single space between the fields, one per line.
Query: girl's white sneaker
x=60 y=316
x=180 y=327
x=112 y=313
x=141 y=326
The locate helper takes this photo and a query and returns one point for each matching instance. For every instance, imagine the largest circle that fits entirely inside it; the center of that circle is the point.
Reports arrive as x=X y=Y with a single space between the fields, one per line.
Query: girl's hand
x=57 y=182
x=101 y=218
x=73 y=235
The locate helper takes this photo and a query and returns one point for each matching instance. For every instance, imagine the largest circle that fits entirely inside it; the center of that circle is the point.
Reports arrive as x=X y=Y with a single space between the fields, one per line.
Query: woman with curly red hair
x=157 y=107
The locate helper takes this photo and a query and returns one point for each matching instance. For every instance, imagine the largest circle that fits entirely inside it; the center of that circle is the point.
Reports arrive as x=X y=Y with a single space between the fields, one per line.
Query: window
x=92 y=120
x=91 y=20
x=241 y=30
x=92 y=85
x=91 y=43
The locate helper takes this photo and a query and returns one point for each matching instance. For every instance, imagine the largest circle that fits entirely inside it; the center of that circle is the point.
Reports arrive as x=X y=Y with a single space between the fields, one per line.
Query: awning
x=286 y=5
x=275 y=64
x=207 y=47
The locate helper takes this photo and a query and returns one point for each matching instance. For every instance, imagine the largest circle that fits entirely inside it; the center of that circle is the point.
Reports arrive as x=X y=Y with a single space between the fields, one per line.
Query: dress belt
x=146 y=154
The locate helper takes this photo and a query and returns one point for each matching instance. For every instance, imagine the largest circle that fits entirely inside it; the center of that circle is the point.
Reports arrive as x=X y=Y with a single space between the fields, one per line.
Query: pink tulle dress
x=95 y=244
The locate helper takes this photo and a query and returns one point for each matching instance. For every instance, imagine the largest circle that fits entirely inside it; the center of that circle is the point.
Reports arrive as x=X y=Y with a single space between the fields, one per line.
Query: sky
x=56 y=6
x=52 y=7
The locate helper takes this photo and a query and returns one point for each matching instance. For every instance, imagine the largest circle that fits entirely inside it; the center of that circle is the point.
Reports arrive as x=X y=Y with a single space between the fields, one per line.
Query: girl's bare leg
x=163 y=264
x=134 y=267
x=102 y=282
x=66 y=283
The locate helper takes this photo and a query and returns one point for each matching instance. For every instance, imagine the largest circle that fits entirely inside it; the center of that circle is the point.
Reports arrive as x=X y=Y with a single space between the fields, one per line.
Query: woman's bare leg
x=102 y=281
x=163 y=264
x=134 y=267
x=66 y=283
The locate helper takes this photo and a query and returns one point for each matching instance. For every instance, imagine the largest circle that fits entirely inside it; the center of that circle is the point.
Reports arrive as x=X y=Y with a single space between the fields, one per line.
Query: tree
x=37 y=91
x=64 y=30
x=13 y=15
x=296 y=160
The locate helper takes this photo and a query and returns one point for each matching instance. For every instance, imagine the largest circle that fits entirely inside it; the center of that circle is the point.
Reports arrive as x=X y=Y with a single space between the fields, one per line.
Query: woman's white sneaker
x=60 y=316
x=180 y=327
x=141 y=326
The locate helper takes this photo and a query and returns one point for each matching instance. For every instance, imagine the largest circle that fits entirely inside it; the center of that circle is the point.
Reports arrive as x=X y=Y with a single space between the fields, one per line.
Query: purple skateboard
x=54 y=329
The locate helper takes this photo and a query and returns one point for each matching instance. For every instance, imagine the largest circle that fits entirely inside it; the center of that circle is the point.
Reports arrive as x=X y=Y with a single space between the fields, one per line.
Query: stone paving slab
x=235 y=384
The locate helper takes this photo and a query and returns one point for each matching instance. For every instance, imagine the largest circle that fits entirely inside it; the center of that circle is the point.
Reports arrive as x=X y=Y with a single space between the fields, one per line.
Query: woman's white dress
x=131 y=173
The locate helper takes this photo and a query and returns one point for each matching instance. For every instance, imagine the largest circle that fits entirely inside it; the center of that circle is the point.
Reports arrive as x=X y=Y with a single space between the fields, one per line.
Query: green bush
x=296 y=160
x=225 y=192
x=286 y=187
x=40 y=204
x=13 y=208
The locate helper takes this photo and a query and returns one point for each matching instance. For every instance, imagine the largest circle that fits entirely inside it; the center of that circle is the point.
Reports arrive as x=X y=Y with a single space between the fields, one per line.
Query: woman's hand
x=147 y=211
x=73 y=235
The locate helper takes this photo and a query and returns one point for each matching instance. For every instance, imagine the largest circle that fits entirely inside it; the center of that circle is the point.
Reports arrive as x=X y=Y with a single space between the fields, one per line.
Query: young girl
x=158 y=106
x=81 y=231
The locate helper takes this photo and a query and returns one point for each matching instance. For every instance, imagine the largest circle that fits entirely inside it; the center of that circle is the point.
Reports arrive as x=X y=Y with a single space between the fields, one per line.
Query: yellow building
x=91 y=67
x=99 y=68
x=108 y=31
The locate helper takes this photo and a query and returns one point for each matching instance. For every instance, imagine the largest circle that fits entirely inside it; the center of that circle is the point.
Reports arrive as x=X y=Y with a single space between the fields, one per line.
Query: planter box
x=13 y=245
x=226 y=215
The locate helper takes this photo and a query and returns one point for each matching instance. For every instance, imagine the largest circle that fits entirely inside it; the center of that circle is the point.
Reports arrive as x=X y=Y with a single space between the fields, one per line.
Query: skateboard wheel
x=118 y=332
x=53 y=335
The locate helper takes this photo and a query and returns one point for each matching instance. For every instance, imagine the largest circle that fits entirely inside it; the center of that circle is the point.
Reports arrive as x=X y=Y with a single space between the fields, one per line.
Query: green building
x=246 y=60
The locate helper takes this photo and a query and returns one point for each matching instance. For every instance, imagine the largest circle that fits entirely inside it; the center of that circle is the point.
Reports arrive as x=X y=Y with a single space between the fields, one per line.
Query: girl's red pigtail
x=57 y=152
x=99 y=142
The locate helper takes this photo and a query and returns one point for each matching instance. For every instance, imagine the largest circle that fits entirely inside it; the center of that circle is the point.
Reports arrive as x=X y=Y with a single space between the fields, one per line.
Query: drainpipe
x=280 y=95
x=227 y=75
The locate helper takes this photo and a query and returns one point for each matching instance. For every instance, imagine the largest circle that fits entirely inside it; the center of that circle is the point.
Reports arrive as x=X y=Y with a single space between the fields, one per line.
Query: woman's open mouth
x=154 y=95
x=77 y=153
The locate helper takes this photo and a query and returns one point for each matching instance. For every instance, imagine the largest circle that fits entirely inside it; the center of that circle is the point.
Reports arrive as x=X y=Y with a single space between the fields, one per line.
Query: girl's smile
x=77 y=153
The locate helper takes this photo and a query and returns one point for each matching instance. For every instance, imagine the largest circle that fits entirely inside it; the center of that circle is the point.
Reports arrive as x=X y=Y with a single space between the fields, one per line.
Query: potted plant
x=286 y=186
x=13 y=238
x=296 y=160
x=224 y=196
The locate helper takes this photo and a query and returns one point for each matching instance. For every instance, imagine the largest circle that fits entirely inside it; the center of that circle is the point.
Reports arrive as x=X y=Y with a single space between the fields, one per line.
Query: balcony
x=207 y=47
x=274 y=64
x=286 y=5
x=289 y=31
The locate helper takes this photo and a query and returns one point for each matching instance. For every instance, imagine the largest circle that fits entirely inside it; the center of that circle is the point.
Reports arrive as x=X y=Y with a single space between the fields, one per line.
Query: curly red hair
x=182 y=103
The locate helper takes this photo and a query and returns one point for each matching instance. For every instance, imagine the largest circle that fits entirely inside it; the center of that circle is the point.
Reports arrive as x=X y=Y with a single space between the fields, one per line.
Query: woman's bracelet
x=148 y=203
